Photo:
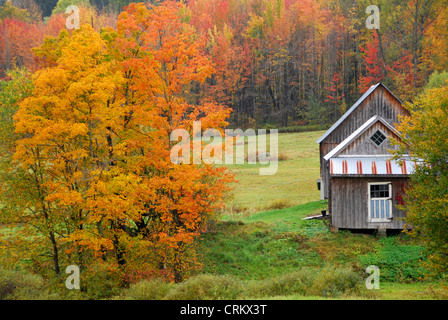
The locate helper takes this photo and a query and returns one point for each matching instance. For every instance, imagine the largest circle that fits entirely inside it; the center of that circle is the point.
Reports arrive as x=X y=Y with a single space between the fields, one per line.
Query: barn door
x=380 y=202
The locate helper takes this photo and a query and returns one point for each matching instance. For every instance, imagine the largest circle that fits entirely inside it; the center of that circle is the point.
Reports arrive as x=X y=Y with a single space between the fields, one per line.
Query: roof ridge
x=352 y=108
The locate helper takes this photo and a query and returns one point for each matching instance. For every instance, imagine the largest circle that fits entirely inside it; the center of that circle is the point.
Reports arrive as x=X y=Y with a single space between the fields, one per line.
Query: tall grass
x=20 y=285
x=326 y=282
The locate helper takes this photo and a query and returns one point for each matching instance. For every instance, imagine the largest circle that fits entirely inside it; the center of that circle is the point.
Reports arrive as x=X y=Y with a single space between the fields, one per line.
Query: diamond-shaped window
x=378 y=138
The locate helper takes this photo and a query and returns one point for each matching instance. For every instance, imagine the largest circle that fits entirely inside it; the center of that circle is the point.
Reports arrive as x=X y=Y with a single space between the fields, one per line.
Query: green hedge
x=306 y=128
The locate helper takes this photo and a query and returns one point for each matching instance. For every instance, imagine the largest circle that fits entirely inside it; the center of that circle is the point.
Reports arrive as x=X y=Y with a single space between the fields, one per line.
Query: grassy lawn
x=295 y=180
x=264 y=244
x=257 y=252
x=414 y=291
x=271 y=244
x=255 y=243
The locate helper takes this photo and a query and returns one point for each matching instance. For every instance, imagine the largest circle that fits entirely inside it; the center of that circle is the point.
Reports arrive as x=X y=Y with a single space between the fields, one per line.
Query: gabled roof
x=356 y=134
x=353 y=108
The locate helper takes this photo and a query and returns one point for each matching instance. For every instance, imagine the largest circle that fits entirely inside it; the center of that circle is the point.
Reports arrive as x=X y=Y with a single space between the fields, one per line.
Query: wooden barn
x=361 y=182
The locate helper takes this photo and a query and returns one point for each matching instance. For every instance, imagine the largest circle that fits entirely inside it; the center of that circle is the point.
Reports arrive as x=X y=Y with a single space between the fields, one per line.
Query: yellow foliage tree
x=95 y=144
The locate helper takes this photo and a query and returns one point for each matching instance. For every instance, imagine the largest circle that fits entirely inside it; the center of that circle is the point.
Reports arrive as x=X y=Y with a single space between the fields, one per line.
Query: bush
x=279 y=204
x=20 y=285
x=154 y=289
x=326 y=282
x=207 y=287
x=101 y=280
x=337 y=282
x=282 y=156
x=397 y=263
x=305 y=128
x=437 y=80
x=291 y=283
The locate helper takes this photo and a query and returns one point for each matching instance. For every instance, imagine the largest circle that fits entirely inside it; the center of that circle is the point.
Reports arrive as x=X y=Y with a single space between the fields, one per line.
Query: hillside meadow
x=294 y=183
x=262 y=248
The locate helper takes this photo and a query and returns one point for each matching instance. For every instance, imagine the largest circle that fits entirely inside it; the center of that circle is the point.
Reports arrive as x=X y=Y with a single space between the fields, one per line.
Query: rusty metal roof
x=371 y=165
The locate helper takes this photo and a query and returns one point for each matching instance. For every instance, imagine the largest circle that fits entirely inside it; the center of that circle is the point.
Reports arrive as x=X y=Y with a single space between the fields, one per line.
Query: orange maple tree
x=95 y=143
x=161 y=55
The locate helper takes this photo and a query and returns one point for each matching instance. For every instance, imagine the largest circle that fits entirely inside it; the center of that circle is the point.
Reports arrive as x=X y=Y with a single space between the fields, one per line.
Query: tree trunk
x=55 y=254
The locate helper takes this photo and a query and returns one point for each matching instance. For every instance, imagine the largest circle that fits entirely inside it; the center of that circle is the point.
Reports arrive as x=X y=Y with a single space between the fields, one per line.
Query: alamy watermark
x=72 y=281
x=213 y=153
x=72 y=21
x=373 y=281
x=373 y=21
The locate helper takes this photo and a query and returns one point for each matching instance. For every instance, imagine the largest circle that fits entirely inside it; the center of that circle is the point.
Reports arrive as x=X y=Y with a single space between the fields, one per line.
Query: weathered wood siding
x=348 y=202
x=324 y=169
x=380 y=102
x=363 y=145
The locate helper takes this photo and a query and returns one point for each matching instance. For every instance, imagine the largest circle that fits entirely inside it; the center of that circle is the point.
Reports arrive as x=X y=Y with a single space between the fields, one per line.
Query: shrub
x=337 y=282
x=305 y=128
x=325 y=282
x=279 y=204
x=287 y=284
x=154 y=289
x=239 y=208
x=437 y=80
x=282 y=156
x=207 y=287
x=397 y=262
x=101 y=280
x=20 y=285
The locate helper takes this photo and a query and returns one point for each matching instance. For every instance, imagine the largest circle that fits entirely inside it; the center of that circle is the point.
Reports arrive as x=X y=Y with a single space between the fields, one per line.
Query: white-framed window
x=380 y=201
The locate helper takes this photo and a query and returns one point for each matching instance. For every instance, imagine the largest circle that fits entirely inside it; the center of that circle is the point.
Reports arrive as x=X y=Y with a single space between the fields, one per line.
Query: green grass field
x=260 y=245
x=252 y=251
x=265 y=248
x=293 y=184
x=264 y=245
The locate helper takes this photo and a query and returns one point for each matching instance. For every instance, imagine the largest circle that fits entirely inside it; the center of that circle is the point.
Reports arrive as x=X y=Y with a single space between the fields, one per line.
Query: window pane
x=379 y=191
x=378 y=138
x=382 y=208
x=372 y=209
x=388 y=209
x=372 y=190
x=377 y=209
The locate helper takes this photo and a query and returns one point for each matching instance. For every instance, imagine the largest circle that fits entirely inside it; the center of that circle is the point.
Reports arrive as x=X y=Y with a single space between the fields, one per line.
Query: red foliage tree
x=374 y=66
x=16 y=40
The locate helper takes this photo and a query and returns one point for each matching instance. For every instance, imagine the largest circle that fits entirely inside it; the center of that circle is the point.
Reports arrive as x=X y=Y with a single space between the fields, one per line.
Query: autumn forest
x=279 y=63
